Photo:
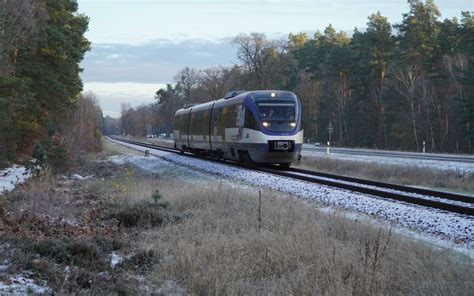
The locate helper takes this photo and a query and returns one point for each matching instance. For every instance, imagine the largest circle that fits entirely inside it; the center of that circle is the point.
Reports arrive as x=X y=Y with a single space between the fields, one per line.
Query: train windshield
x=277 y=114
x=272 y=111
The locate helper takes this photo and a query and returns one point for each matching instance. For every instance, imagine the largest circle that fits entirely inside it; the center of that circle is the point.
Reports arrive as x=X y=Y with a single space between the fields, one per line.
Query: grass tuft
x=142 y=261
x=144 y=214
x=70 y=252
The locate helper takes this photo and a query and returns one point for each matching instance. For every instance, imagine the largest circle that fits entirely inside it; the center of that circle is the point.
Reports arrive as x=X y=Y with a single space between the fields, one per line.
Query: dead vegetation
x=220 y=250
x=178 y=237
x=64 y=232
x=404 y=175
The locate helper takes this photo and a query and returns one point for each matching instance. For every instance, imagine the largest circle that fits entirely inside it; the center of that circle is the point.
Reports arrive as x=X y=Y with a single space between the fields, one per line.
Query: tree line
x=397 y=86
x=41 y=45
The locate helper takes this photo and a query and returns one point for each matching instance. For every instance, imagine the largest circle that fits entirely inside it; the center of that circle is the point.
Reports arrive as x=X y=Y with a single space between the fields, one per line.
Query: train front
x=278 y=117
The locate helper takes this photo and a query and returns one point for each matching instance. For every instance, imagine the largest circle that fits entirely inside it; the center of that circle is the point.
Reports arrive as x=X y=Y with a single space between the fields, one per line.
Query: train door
x=186 y=127
x=217 y=129
x=240 y=120
x=212 y=126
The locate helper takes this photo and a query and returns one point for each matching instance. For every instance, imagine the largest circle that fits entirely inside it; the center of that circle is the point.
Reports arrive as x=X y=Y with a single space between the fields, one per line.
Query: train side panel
x=224 y=117
x=199 y=127
x=180 y=128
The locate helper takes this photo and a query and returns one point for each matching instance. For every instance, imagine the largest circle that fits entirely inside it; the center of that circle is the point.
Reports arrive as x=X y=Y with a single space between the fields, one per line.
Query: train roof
x=232 y=98
x=237 y=94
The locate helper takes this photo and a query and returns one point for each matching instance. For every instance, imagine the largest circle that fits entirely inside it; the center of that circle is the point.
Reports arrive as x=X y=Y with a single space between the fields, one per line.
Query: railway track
x=457 y=203
x=394 y=154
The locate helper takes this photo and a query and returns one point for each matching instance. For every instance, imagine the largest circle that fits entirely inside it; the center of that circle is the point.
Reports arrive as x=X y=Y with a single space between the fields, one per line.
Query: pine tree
x=467 y=78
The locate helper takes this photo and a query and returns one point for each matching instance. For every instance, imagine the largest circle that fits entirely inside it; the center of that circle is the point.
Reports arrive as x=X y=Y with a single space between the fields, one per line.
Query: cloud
x=156 y=61
x=119 y=73
x=112 y=94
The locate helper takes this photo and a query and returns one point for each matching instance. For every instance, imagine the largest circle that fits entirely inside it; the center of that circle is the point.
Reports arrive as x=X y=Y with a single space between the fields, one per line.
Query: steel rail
x=409 y=189
x=316 y=177
x=394 y=154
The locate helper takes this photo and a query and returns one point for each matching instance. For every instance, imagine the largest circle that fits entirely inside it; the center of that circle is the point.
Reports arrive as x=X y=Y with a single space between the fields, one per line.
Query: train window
x=224 y=118
x=220 y=122
x=250 y=121
x=194 y=125
x=200 y=123
x=232 y=117
x=182 y=124
x=277 y=111
x=278 y=115
x=205 y=123
x=177 y=122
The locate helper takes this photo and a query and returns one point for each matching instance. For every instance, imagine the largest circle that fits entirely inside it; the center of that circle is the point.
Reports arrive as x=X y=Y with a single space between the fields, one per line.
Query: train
x=253 y=127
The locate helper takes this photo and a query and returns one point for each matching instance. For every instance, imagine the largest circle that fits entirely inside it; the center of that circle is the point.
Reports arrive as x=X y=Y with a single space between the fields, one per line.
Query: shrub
x=159 y=204
x=142 y=261
x=144 y=214
x=78 y=253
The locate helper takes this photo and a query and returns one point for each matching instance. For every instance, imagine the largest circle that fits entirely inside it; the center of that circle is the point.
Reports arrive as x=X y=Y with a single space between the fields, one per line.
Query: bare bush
x=83 y=130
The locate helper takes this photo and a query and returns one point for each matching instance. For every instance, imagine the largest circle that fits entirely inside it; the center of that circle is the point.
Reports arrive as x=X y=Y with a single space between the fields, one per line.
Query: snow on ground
x=13 y=176
x=459 y=167
x=115 y=259
x=383 y=151
x=161 y=167
x=20 y=284
x=453 y=227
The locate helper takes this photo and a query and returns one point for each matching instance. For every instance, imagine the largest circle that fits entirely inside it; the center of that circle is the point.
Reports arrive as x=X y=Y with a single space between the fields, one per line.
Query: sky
x=139 y=45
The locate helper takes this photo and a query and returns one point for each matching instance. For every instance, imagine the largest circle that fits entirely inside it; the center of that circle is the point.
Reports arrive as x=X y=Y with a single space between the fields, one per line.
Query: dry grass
x=110 y=149
x=64 y=231
x=404 y=175
x=208 y=241
x=219 y=250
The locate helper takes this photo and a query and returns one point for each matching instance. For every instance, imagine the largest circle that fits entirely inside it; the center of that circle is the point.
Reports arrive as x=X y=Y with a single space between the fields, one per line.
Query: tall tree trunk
x=413 y=121
x=407 y=82
x=430 y=125
x=384 y=128
x=468 y=129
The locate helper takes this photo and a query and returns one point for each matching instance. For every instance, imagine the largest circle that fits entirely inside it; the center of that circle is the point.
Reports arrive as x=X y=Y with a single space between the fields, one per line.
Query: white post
x=424 y=147
x=329 y=144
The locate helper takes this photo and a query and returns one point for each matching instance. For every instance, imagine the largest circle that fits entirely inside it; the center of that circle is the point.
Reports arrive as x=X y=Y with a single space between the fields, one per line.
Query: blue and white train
x=252 y=127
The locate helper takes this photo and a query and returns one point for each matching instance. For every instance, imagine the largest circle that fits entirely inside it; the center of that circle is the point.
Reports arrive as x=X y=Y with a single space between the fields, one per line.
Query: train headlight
x=266 y=124
x=293 y=124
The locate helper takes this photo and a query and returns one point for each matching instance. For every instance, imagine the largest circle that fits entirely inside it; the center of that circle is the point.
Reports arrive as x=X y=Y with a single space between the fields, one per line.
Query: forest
x=388 y=86
x=42 y=112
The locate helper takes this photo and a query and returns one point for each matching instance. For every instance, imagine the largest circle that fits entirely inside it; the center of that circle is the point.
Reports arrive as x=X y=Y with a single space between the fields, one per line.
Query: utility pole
x=330 y=129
